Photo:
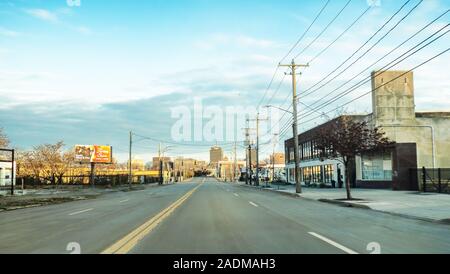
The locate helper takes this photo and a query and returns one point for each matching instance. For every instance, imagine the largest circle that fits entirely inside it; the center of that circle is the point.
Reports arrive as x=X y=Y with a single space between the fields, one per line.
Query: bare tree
x=344 y=138
x=47 y=162
x=4 y=141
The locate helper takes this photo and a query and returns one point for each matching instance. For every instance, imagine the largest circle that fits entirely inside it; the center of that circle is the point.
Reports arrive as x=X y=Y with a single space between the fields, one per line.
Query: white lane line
x=333 y=243
x=253 y=204
x=82 y=211
x=235 y=194
x=124 y=201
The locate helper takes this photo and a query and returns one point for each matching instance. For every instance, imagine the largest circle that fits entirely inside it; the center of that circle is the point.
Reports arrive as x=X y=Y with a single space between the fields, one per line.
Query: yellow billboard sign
x=93 y=154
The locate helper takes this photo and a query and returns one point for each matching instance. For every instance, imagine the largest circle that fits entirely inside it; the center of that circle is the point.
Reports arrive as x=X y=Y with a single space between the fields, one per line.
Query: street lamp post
x=161 y=164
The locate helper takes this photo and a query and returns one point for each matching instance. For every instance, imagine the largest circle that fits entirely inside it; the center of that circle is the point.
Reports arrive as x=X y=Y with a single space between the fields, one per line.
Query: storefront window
x=377 y=167
x=328 y=174
x=318 y=174
x=291 y=174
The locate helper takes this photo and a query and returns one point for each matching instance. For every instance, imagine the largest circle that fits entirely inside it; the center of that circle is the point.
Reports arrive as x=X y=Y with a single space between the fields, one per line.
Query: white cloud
x=83 y=30
x=8 y=33
x=43 y=14
x=240 y=41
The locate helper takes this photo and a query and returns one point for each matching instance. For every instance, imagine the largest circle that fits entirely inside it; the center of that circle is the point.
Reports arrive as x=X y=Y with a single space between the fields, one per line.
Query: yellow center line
x=127 y=243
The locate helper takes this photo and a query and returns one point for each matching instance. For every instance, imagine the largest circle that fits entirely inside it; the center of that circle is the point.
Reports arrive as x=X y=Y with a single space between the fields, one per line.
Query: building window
x=291 y=154
x=291 y=175
x=307 y=152
x=377 y=166
x=328 y=174
x=318 y=174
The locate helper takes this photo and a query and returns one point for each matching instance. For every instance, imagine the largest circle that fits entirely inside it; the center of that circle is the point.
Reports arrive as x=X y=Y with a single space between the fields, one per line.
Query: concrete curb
x=295 y=195
x=345 y=203
x=445 y=221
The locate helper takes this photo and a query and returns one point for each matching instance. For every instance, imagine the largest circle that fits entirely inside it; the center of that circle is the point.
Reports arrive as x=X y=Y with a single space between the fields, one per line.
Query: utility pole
x=250 y=163
x=273 y=157
x=13 y=152
x=247 y=144
x=92 y=175
x=293 y=66
x=257 y=145
x=160 y=165
x=130 y=172
x=235 y=162
x=257 y=149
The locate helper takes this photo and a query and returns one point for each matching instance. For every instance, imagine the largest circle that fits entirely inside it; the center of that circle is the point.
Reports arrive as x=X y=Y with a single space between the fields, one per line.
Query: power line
x=324 y=30
x=290 y=51
x=306 y=31
x=370 y=92
x=383 y=57
x=340 y=35
x=268 y=88
x=360 y=48
x=177 y=143
x=333 y=42
x=365 y=53
x=278 y=89
x=386 y=67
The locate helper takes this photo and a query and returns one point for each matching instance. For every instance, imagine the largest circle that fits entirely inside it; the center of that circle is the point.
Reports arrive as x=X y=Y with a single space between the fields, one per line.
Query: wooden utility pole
x=160 y=163
x=273 y=157
x=247 y=144
x=293 y=66
x=258 y=120
x=13 y=154
x=250 y=163
x=130 y=167
x=235 y=162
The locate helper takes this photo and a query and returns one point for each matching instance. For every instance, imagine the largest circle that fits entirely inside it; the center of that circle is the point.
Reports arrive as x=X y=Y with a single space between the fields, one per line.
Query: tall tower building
x=215 y=155
x=393 y=97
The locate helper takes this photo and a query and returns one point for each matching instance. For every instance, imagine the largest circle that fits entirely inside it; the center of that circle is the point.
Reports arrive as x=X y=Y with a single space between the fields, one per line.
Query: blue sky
x=90 y=73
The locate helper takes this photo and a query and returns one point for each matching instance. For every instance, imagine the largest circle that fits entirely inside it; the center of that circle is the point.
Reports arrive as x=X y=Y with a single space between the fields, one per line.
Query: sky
x=89 y=71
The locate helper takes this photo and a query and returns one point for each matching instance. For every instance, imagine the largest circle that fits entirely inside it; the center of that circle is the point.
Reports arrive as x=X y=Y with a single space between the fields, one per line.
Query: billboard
x=93 y=154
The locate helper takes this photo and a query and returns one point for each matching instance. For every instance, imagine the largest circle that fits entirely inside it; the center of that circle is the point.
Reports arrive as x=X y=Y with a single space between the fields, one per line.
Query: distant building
x=157 y=162
x=5 y=174
x=137 y=164
x=186 y=167
x=215 y=155
x=422 y=140
x=277 y=159
x=229 y=170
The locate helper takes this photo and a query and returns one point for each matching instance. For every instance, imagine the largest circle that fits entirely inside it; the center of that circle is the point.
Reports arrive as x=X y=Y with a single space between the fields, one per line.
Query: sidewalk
x=424 y=206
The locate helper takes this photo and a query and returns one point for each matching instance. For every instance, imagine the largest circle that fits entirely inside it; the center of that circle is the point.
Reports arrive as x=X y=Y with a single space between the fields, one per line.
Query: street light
x=161 y=164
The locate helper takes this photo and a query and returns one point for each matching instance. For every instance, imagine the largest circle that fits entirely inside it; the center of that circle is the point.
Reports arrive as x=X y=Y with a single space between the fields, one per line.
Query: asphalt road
x=206 y=216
